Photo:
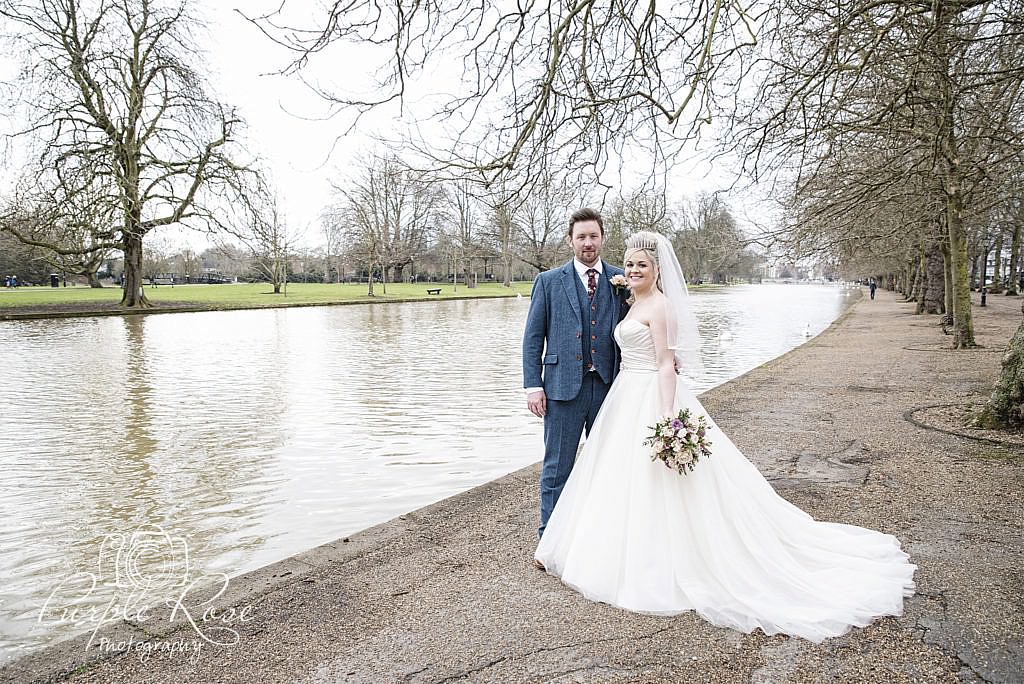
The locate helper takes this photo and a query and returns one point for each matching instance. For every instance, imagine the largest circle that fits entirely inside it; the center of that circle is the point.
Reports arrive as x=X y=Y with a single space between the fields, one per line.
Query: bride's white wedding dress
x=630 y=532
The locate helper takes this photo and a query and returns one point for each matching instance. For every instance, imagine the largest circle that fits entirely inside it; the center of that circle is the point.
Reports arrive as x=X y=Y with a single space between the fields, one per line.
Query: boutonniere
x=618 y=282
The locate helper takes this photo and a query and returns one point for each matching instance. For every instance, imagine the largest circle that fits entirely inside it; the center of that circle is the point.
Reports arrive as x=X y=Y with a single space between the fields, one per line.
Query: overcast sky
x=303 y=150
x=286 y=124
x=305 y=154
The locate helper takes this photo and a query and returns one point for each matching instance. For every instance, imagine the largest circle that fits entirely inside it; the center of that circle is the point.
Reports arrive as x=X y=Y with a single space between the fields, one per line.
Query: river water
x=257 y=434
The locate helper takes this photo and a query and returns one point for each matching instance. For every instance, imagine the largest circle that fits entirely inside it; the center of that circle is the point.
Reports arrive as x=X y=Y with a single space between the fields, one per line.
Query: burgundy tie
x=591 y=282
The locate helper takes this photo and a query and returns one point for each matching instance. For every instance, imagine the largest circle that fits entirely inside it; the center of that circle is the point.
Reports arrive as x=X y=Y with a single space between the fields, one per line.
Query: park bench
x=433 y=290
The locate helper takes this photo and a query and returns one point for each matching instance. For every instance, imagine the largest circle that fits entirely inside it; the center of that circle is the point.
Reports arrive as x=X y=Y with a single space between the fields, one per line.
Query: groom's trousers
x=564 y=424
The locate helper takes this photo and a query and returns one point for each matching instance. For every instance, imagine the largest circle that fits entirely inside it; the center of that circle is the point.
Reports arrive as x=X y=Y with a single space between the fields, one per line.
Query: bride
x=718 y=540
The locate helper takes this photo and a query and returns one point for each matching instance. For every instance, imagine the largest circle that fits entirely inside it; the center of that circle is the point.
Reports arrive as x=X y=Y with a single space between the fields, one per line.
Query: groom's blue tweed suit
x=566 y=334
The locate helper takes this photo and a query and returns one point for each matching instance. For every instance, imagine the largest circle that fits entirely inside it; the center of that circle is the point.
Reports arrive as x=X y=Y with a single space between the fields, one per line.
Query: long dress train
x=719 y=540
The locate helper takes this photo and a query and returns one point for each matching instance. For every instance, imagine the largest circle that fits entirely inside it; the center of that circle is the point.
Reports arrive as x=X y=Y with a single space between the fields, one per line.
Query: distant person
x=7 y=281
x=14 y=281
x=872 y=285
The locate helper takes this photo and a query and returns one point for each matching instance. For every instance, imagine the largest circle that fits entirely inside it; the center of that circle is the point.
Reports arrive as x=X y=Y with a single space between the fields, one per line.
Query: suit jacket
x=552 y=337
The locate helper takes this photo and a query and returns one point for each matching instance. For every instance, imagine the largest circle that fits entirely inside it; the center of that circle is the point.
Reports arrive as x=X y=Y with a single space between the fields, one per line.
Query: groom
x=569 y=356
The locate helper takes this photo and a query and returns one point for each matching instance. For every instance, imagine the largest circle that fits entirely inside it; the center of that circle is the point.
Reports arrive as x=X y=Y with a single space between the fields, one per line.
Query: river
x=257 y=434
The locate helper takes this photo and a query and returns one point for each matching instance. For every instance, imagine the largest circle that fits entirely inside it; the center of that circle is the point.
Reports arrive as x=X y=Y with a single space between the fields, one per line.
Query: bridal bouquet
x=679 y=442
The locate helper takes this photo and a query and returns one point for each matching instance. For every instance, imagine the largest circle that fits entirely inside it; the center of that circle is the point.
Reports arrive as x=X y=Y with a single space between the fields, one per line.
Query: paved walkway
x=448 y=593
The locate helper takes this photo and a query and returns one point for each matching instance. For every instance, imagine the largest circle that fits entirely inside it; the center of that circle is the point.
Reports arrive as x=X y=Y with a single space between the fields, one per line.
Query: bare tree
x=542 y=225
x=708 y=240
x=579 y=80
x=503 y=234
x=334 y=239
x=460 y=229
x=270 y=243
x=390 y=212
x=1005 y=407
x=504 y=202
x=74 y=230
x=642 y=209
x=117 y=111
x=933 y=86
x=1016 y=217
x=187 y=263
x=24 y=261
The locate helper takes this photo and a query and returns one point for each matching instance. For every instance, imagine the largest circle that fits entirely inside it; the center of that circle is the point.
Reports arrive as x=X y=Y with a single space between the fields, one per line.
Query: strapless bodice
x=636 y=345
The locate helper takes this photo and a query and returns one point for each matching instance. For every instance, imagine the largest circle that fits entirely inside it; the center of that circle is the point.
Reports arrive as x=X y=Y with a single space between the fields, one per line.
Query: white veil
x=683 y=337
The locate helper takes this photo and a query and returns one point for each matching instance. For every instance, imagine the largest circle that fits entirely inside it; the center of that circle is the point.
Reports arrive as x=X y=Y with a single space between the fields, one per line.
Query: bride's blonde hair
x=647 y=242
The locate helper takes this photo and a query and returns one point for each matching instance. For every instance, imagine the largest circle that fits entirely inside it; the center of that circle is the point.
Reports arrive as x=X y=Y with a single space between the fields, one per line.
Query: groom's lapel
x=616 y=299
x=568 y=279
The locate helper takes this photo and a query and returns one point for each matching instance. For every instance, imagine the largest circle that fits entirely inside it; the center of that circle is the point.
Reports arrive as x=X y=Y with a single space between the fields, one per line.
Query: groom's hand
x=538 y=403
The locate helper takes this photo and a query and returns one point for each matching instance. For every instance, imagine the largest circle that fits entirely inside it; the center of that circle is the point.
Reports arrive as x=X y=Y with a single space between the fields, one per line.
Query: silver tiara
x=642 y=240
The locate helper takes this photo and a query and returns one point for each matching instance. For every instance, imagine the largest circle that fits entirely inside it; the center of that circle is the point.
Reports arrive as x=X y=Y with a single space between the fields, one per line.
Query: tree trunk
x=93 y=280
x=1005 y=408
x=1011 y=280
x=972 y=258
x=276 y=269
x=983 y=263
x=369 y=277
x=935 y=290
x=921 y=284
x=963 y=327
x=907 y=284
x=997 y=272
x=952 y=186
x=134 y=297
x=915 y=280
x=947 y=278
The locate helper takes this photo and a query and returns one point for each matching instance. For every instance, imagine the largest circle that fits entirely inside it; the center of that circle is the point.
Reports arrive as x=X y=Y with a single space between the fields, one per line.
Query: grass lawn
x=239 y=295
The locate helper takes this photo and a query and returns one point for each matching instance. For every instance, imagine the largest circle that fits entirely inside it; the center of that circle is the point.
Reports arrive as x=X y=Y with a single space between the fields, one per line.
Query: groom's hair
x=586 y=214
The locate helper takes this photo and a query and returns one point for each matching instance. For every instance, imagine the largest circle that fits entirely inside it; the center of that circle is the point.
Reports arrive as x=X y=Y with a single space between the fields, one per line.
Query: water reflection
x=743 y=326
x=258 y=434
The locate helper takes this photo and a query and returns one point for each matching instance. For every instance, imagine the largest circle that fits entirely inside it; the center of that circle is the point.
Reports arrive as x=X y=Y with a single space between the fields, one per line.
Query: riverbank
x=449 y=593
x=25 y=303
